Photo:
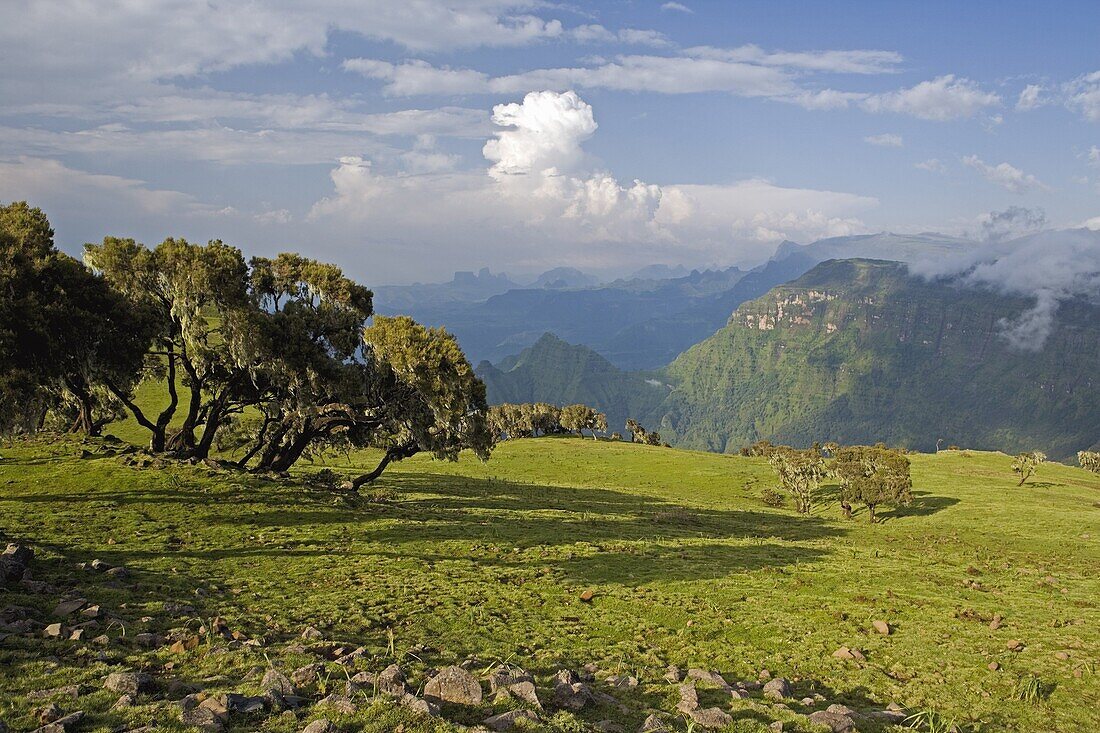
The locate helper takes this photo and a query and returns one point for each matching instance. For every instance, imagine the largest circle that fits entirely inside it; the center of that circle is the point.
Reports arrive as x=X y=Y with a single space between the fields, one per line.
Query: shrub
x=616 y=436
x=772 y=498
x=1027 y=464
x=1089 y=460
x=800 y=474
x=872 y=476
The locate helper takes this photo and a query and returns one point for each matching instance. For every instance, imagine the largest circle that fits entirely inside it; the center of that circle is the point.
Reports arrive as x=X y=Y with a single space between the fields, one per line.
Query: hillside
x=487 y=563
x=560 y=373
x=858 y=351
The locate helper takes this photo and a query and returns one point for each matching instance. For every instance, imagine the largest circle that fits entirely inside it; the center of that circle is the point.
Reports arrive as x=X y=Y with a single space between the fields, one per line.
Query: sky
x=406 y=140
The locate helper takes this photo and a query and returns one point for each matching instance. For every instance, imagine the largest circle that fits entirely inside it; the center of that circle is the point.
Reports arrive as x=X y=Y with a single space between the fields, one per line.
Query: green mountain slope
x=858 y=351
x=560 y=373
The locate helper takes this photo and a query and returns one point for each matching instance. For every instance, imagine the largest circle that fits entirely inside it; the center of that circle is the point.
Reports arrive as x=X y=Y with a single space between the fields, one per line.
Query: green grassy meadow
x=489 y=560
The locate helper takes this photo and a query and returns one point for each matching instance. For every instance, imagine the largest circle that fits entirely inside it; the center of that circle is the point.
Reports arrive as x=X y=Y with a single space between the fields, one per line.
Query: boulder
x=391 y=681
x=276 y=681
x=673 y=675
x=340 y=704
x=689 y=698
x=835 y=722
x=63 y=725
x=653 y=724
x=454 y=685
x=507 y=721
x=419 y=705
x=54 y=631
x=128 y=683
x=881 y=627
x=320 y=726
x=68 y=608
x=711 y=718
x=777 y=689
x=18 y=554
x=307 y=675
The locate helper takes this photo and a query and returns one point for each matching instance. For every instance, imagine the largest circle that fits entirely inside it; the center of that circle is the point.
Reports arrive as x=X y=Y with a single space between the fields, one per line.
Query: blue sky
x=407 y=140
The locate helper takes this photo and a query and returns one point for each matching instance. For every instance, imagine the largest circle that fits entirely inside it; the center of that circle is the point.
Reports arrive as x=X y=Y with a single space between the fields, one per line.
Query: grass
x=687 y=564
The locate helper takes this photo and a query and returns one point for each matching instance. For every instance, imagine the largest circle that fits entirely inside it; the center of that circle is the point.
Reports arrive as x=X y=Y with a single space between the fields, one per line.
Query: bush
x=872 y=476
x=1089 y=460
x=772 y=498
x=1027 y=464
x=616 y=436
x=800 y=474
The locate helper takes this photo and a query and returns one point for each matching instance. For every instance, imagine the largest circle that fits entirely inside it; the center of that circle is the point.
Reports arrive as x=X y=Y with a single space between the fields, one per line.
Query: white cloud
x=1013 y=222
x=941 y=99
x=542 y=201
x=1005 y=175
x=885 y=140
x=837 y=62
x=932 y=165
x=1030 y=98
x=1083 y=95
x=677 y=7
x=274 y=216
x=1094 y=156
x=595 y=33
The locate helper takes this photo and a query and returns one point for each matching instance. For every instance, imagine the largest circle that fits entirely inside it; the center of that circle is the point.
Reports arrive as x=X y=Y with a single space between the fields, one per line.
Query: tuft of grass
x=1031 y=690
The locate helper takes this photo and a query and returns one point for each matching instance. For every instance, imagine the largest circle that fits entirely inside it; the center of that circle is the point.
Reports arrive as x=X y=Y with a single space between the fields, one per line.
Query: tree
x=578 y=418
x=62 y=329
x=873 y=476
x=637 y=432
x=1089 y=460
x=1027 y=464
x=436 y=403
x=800 y=474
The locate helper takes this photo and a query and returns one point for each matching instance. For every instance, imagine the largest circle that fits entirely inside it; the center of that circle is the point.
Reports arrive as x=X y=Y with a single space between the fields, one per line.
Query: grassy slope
x=688 y=568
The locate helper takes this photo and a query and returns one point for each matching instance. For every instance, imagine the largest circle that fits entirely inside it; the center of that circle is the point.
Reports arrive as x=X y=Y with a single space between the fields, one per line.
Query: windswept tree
x=873 y=476
x=434 y=404
x=62 y=329
x=578 y=418
x=800 y=474
x=1025 y=465
x=1089 y=460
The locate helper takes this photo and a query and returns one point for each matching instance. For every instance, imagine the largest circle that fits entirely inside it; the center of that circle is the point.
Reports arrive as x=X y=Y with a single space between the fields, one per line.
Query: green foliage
x=1025 y=465
x=578 y=418
x=800 y=474
x=856 y=351
x=1089 y=460
x=930 y=721
x=1032 y=690
x=772 y=497
x=873 y=476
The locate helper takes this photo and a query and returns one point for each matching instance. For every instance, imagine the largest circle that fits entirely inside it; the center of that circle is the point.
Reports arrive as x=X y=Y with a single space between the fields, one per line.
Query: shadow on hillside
x=924 y=504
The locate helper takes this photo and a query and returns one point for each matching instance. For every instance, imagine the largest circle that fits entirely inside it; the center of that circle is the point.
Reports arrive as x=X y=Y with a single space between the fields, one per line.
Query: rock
x=565 y=677
x=391 y=681
x=689 y=698
x=48 y=714
x=63 y=725
x=777 y=689
x=128 y=683
x=838 y=709
x=235 y=703
x=340 y=704
x=1014 y=645
x=18 y=554
x=275 y=681
x=54 y=631
x=776 y=727
x=311 y=633
x=653 y=724
x=835 y=722
x=571 y=696
x=126 y=701
x=454 y=685
x=117 y=573
x=149 y=640
x=76 y=635
x=587 y=596
x=68 y=608
x=1062 y=656
x=993 y=666
x=99 y=566
x=507 y=721
x=71 y=692
x=623 y=681
x=525 y=691
x=350 y=657
x=419 y=705
x=881 y=627
x=320 y=726
x=996 y=622
x=848 y=653
x=673 y=675
x=610 y=726
x=307 y=675
x=711 y=718
x=807 y=702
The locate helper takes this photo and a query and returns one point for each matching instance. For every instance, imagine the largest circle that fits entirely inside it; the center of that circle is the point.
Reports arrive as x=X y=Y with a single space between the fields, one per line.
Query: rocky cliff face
x=858 y=351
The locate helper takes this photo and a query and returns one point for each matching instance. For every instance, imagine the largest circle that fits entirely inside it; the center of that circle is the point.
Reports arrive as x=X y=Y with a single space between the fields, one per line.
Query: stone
x=807 y=702
x=391 y=681
x=711 y=718
x=99 y=566
x=324 y=725
x=117 y=573
x=71 y=692
x=340 y=704
x=18 y=555
x=63 y=725
x=689 y=698
x=587 y=596
x=1062 y=656
x=835 y=722
x=848 y=653
x=881 y=627
x=996 y=622
x=54 y=631
x=673 y=675
x=245 y=704
x=777 y=689
x=311 y=633
x=128 y=683
x=993 y=666
x=307 y=675
x=1014 y=645
x=507 y=721
x=623 y=681
x=776 y=727
x=838 y=709
x=455 y=685
x=126 y=701
x=653 y=724
x=68 y=608
x=76 y=635
x=276 y=681
x=48 y=714
x=708 y=676
x=419 y=705
x=610 y=726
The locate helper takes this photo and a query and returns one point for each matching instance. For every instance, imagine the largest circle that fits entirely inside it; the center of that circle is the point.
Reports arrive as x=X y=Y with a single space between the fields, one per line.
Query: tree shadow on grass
x=923 y=505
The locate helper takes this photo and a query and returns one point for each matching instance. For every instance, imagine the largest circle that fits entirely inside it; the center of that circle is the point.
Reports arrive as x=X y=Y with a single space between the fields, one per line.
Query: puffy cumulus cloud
x=543 y=132
x=885 y=140
x=1049 y=267
x=1083 y=95
x=941 y=99
x=1005 y=175
x=1030 y=98
x=1013 y=222
x=540 y=201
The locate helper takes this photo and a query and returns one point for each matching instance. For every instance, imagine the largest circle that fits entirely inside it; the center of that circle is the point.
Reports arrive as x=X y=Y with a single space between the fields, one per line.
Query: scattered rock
x=48 y=714
x=311 y=633
x=507 y=721
x=244 y=704
x=117 y=573
x=996 y=622
x=63 y=725
x=128 y=683
x=881 y=627
x=54 y=631
x=836 y=722
x=307 y=675
x=848 y=653
x=711 y=718
x=1063 y=656
x=391 y=681
x=68 y=608
x=673 y=675
x=623 y=681
x=454 y=685
x=653 y=724
x=320 y=726
x=340 y=704
x=1014 y=645
x=13 y=563
x=689 y=698
x=777 y=689
x=126 y=701
x=99 y=566
x=588 y=595
x=419 y=705
x=275 y=681
x=993 y=666
x=610 y=726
